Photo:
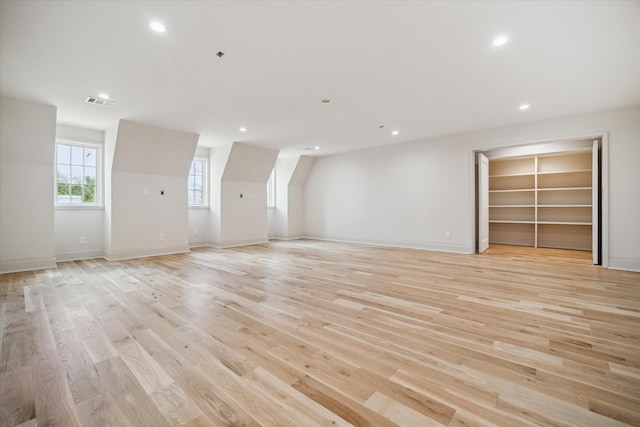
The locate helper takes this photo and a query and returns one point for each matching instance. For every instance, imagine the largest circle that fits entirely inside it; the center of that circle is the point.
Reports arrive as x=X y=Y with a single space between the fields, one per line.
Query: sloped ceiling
x=153 y=150
x=248 y=163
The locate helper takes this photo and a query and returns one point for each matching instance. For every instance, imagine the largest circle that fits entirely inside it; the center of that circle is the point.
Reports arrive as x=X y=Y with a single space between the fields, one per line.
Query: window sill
x=198 y=207
x=79 y=207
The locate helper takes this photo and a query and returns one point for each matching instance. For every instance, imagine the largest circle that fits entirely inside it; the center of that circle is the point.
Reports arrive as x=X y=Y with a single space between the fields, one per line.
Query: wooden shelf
x=511 y=190
x=497 y=221
x=562 y=188
x=564 y=172
x=543 y=200
x=563 y=206
x=563 y=223
x=512 y=175
x=512 y=206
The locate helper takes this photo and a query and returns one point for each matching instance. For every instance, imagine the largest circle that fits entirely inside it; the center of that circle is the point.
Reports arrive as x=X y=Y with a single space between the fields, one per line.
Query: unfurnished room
x=319 y=213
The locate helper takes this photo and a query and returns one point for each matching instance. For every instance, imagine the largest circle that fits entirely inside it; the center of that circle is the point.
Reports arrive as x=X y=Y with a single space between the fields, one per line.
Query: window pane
x=89 y=195
x=63 y=189
x=63 y=195
x=90 y=176
x=196 y=184
x=90 y=155
x=197 y=198
x=76 y=174
x=77 y=155
x=63 y=154
x=64 y=174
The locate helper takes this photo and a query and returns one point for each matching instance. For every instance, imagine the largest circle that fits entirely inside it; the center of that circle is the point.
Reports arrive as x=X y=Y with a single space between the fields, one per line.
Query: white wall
x=295 y=202
x=110 y=139
x=70 y=224
x=27 y=142
x=283 y=171
x=404 y=195
x=271 y=223
x=217 y=163
x=243 y=219
x=147 y=162
x=412 y=194
x=198 y=227
x=239 y=174
x=288 y=216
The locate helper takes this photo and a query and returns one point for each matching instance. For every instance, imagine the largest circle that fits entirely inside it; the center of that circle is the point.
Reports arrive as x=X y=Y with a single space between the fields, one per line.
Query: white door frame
x=604 y=196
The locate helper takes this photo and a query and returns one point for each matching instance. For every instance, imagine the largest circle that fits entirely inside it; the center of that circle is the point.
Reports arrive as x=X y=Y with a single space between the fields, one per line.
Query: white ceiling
x=424 y=68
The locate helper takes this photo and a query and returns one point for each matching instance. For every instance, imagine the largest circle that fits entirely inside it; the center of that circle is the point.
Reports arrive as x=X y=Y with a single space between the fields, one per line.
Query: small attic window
x=197 y=183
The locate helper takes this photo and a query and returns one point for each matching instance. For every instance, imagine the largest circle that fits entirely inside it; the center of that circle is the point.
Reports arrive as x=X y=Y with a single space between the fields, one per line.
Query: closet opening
x=543 y=195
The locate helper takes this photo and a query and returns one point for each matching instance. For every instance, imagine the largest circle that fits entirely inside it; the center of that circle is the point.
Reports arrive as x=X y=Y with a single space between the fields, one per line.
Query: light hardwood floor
x=307 y=333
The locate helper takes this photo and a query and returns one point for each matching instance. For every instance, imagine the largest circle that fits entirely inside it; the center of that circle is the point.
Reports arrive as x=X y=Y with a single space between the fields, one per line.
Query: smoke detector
x=96 y=100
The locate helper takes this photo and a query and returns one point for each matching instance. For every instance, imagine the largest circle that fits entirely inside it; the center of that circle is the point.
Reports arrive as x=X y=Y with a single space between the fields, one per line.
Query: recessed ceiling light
x=104 y=96
x=524 y=107
x=243 y=129
x=158 y=27
x=500 y=40
x=326 y=101
x=395 y=132
x=316 y=148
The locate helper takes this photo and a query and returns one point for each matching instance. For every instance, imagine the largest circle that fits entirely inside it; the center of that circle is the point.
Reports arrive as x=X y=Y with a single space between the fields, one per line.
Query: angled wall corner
x=296 y=203
x=291 y=175
x=147 y=210
x=27 y=143
x=239 y=174
x=218 y=157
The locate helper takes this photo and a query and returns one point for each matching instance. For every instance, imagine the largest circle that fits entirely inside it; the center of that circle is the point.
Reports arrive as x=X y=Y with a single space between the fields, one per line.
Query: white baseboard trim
x=626 y=264
x=79 y=255
x=28 y=264
x=237 y=243
x=425 y=246
x=143 y=253
x=199 y=244
x=287 y=237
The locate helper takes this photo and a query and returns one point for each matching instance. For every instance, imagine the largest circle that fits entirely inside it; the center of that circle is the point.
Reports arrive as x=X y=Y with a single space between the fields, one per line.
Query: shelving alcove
x=544 y=200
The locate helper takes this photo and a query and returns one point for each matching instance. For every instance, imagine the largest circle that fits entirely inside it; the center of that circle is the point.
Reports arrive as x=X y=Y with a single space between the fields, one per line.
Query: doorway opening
x=550 y=194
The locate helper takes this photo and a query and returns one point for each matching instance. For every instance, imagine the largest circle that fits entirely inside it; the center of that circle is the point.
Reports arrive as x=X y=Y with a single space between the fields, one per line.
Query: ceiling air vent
x=98 y=101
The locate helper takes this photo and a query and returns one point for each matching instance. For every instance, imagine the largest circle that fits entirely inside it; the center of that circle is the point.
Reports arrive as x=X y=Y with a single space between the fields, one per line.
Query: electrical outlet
x=328 y=228
x=146 y=192
x=250 y=230
x=83 y=240
x=162 y=237
x=195 y=231
x=447 y=235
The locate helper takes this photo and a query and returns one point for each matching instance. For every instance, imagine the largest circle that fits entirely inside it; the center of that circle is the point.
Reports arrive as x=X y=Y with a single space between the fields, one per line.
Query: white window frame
x=99 y=184
x=271 y=190
x=205 y=183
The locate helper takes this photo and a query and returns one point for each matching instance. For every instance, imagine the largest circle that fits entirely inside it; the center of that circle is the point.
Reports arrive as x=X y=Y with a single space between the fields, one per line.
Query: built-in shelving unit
x=542 y=200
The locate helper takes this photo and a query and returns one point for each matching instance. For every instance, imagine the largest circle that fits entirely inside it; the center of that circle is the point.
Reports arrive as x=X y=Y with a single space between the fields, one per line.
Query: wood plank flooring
x=307 y=333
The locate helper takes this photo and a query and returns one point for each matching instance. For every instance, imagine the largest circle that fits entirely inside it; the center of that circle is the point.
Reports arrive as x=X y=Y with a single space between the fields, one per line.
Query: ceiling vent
x=98 y=101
